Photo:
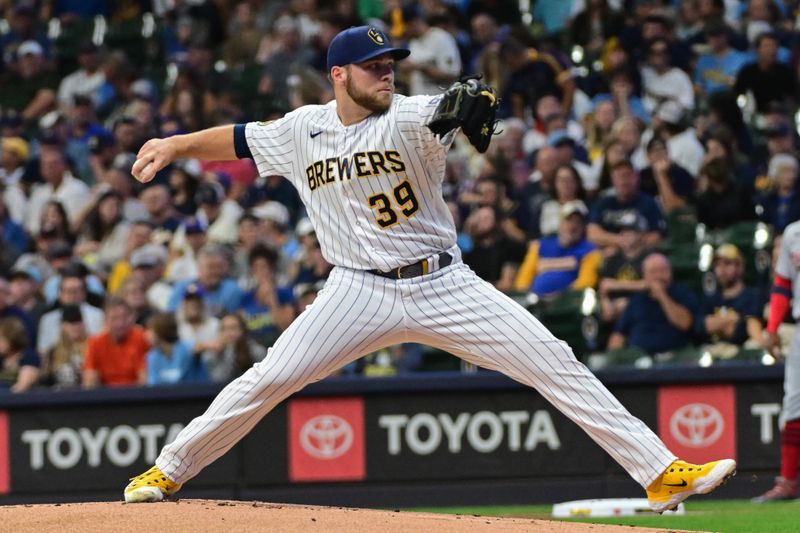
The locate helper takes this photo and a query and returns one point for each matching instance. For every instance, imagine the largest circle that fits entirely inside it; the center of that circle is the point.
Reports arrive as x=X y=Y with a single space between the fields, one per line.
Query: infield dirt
x=198 y=516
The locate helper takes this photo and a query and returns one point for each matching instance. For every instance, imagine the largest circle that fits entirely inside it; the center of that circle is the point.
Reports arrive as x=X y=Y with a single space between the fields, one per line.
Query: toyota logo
x=326 y=436
x=696 y=425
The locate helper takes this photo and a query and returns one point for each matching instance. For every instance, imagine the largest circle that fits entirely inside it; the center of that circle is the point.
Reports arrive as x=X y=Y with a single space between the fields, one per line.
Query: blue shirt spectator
x=220 y=292
x=260 y=317
x=717 y=69
x=180 y=366
x=659 y=319
x=626 y=206
x=733 y=312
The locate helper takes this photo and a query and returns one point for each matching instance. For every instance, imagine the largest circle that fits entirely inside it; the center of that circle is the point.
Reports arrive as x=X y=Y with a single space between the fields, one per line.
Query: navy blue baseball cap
x=361 y=43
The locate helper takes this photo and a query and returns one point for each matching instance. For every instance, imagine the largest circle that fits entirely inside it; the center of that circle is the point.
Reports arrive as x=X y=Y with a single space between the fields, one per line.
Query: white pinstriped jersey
x=372 y=189
x=788 y=263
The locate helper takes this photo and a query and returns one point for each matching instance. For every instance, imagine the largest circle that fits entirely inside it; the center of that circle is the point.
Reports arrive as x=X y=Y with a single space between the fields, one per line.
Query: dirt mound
x=240 y=517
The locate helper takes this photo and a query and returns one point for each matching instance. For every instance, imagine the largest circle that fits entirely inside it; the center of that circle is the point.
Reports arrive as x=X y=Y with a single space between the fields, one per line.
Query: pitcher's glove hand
x=470 y=105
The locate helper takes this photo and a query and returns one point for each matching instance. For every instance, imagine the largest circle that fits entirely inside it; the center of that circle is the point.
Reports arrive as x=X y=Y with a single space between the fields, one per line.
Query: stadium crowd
x=631 y=132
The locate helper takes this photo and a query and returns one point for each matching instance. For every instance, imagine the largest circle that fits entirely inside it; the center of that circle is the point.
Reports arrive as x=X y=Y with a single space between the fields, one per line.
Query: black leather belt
x=417 y=269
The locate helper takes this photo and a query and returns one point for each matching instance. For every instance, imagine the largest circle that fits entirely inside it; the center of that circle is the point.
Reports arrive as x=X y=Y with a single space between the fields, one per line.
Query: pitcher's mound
x=243 y=517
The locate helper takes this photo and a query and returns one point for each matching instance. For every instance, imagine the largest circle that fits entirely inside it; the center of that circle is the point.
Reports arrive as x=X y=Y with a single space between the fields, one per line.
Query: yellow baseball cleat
x=152 y=486
x=681 y=480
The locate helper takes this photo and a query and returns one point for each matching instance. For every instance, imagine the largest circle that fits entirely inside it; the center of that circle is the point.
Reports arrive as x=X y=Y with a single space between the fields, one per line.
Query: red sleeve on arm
x=779 y=302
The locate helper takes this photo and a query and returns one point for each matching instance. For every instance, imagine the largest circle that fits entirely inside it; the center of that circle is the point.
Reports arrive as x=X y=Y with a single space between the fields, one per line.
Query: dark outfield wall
x=440 y=439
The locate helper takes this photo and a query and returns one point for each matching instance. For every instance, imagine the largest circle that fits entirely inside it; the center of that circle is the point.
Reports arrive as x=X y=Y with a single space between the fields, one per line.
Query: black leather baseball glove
x=470 y=105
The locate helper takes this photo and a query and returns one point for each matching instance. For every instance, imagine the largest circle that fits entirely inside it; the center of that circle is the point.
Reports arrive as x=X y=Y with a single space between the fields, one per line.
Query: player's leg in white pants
x=791 y=380
x=356 y=313
x=456 y=311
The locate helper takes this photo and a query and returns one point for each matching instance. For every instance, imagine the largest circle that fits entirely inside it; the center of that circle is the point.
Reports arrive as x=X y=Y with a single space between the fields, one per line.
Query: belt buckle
x=399 y=272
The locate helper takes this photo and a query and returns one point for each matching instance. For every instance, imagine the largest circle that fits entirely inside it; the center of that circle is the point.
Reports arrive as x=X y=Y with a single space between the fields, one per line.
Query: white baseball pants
x=451 y=309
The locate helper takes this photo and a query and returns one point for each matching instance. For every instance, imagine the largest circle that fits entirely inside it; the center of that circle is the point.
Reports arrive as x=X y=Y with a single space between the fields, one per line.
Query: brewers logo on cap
x=376 y=36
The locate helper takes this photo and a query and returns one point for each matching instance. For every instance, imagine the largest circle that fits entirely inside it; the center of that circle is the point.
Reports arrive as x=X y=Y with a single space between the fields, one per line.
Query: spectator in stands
x=494 y=256
x=564 y=261
x=85 y=81
x=435 y=61
x=55 y=220
x=133 y=292
x=566 y=154
x=72 y=291
x=19 y=363
x=660 y=318
x=23 y=26
x=157 y=202
x=196 y=325
x=781 y=205
x=9 y=310
x=218 y=213
x=628 y=204
x=186 y=245
x=14 y=154
x=221 y=292
x=732 y=314
x=24 y=282
x=279 y=52
x=249 y=237
x=717 y=69
x=30 y=88
x=682 y=144
x=63 y=365
x=237 y=351
x=621 y=273
x=103 y=234
x=766 y=78
x=12 y=236
x=531 y=74
x=267 y=309
x=116 y=356
x=537 y=190
x=171 y=360
x=183 y=186
x=274 y=230
x=243 y=37
x=140 y=235
x=662 y=82
x=567 y=187
x=666 y=181
x=59 y=184
x=721 y=201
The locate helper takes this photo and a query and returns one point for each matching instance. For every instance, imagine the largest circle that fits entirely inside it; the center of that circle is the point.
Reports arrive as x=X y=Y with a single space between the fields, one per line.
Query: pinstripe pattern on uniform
x=354 y=315
x=340 y=211
x=470 y=318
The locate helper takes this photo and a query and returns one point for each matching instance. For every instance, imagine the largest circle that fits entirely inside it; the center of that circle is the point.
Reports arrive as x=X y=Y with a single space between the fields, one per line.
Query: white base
x=608 y=507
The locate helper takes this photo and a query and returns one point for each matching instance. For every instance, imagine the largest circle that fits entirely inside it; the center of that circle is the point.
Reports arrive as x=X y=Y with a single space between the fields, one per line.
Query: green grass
x=731 y=516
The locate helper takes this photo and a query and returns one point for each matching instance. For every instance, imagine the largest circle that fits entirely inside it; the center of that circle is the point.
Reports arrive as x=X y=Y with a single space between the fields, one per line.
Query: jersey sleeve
x=417 y=111
x=269 y=144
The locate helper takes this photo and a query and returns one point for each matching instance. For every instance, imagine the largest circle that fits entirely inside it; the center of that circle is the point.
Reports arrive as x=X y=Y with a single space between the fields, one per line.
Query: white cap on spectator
x=304 y=227
x=148 y=255
x=572 y=207
x=670 y=112
x=30 y=47
x=778 y=161
x=274 y=211
x=756 y=28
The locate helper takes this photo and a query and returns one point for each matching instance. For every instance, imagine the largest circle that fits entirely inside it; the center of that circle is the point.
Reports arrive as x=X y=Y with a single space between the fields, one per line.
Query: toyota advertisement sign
x=698 y=423
x=326 y=439
x=380 y=438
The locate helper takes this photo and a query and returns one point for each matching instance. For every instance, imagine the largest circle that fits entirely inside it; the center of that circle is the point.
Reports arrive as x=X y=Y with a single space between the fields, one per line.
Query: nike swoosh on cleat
x=314 y=134
x=681 y=484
